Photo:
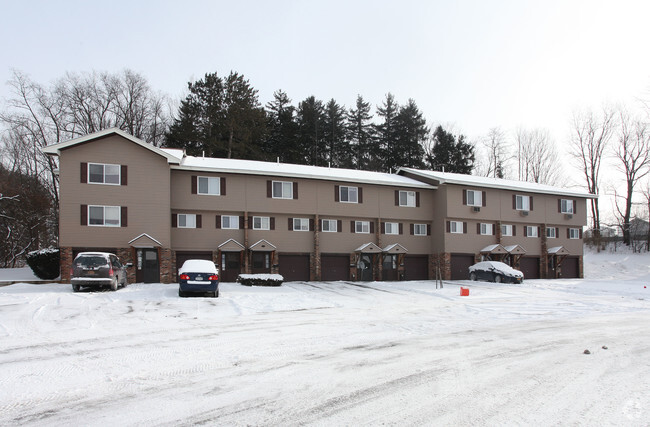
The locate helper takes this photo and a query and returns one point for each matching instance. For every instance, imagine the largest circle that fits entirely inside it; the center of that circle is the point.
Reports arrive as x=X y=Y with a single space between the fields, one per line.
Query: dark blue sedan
x=198 y=276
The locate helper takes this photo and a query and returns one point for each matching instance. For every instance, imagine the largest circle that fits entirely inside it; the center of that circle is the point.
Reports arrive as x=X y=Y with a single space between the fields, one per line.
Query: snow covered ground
x=333 y=353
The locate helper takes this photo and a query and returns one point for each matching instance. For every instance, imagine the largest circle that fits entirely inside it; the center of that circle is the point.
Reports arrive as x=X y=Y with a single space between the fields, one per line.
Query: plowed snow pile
x=333 y=353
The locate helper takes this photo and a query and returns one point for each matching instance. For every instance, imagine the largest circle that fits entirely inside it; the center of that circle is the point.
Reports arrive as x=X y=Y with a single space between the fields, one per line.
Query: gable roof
x=439 y=178
x=55 y=149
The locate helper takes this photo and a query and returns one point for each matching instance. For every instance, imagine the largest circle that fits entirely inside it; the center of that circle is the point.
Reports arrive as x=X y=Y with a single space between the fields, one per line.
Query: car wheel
x=498 y=278
x=181 y=294
x=215 y=294
x=76 y=288
x=472 y=277
x=114 y=284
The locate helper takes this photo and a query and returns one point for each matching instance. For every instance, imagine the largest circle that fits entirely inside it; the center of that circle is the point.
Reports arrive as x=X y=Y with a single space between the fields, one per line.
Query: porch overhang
x=395 y=248
x=262 y=246
x=368 y=248
x=515 y=250
x=231 y=245
x=144 y=241
x=494 y=249
x=558 y=250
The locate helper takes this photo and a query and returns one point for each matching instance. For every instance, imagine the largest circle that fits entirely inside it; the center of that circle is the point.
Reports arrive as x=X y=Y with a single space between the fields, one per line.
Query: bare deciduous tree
x=537 y=157
x=591 y=135
x=497 y=153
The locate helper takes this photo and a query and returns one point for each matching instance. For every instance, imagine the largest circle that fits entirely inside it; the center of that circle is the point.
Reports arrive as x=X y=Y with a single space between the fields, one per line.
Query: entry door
x=261 y=262
x=390 y=267
x=366 y=268
x=230 y=266
x=150 y=267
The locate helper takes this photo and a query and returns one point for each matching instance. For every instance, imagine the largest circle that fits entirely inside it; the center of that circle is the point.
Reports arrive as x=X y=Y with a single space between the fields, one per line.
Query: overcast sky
x=476 y=64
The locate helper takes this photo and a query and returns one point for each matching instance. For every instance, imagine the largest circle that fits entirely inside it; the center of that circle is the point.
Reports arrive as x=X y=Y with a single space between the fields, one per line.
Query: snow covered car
x=198 y=276
x=98 y=270
x=495 y=271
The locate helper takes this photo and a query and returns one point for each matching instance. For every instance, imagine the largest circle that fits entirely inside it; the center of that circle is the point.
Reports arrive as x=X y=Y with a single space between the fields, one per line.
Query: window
x=300 y=224
x=362 y=227
x=550 y=233
x=104 y=216
x=261 y=223
x=531 y=231
x=282 y=190
x=522 y=203
x=474 y=198
x=391 y=228
x=186 y=221
x=506 y=230
x=229 y=222
x=209 y=185
x=456 y=227
x=566 y=206
x=574 y=233
x=103 y=174
x=485 y=229
x=349 y=194
x=407 y=198
x=329 y=225
x=419 y=229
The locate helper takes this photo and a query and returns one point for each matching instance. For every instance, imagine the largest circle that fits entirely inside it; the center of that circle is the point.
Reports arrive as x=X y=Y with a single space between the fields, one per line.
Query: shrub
x=260 y=279
x=45 y=263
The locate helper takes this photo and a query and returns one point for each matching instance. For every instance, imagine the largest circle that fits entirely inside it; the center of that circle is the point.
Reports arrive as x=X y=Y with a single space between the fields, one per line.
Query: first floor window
x=550 y=233
x=531 y=231
x=186 y=221
x=300 y=224
x=349 y=194
x=282 y=190
x=407 y=198
x=391 y=228
x=103 y=174
x=506 y=230
x=329 y=225
x=574 y=233
x=104 y=216
x=474 y=198
x=456 y=227
x=486 y=229
x=230 y=222
x=419 y=229
x=362 y=227
x=522 y=203
x=209 y=185
x=261 y=223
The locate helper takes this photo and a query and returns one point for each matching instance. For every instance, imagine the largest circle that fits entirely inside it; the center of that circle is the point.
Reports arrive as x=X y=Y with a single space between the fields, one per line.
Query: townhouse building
x=157 y=207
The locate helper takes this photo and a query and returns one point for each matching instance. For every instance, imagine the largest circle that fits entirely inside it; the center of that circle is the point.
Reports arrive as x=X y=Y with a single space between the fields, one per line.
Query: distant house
x=157 y=207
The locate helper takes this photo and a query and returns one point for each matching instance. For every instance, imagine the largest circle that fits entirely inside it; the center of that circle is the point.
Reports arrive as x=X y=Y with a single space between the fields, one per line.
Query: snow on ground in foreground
x=333 y=353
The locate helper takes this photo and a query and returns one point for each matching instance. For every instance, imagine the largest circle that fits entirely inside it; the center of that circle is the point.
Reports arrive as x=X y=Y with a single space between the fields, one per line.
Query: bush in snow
x=44 y=263
x=260 y=279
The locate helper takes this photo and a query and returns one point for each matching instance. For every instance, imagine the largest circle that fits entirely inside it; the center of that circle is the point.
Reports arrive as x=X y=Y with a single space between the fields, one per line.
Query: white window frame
x=332 y=225
x=362 y=227
x=391 y=228
x=348 y=192
x=213 y=185
x=522 y=203
x=263 y=223
x=117 y=209
x=574 y=233
x=420 y=229
x=188 y=219
x=506 y=230
x=285 y=190
x=301 y=224
x=531 y=231
x=233 y=222
x=565 y=204
x=486 y=229
x=550 y=233
x=456 y=227
x=407 y=198
x=476 y=196
x=103 y=182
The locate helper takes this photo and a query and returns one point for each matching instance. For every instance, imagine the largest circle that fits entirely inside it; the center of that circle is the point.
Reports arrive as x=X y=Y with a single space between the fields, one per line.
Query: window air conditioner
x=568 y=216
x=476 y=209
x=524 y=213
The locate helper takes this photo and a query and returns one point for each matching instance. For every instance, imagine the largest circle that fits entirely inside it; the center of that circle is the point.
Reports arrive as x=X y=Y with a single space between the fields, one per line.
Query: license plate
x=90 y=273
x=199 y=278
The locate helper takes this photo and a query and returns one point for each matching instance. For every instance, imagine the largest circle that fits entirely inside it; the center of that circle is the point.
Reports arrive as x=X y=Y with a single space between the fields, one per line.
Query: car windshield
x=91 y=261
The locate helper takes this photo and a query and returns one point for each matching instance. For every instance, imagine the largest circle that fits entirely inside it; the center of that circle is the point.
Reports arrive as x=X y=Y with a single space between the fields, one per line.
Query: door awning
x=515 y=250
x=494 y=249
x=395 y=248
x=558 y=250
x=368 y=248
x=144 y=241
x=231 y=245
x=262 y=246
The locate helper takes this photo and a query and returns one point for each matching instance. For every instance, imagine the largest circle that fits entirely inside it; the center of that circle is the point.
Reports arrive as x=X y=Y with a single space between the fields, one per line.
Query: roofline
x=55 y=149
x=498 y=183
x=289 y=174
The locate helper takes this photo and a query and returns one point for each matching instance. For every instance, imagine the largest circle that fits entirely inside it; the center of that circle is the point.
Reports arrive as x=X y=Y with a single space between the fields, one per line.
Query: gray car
x=98 y=270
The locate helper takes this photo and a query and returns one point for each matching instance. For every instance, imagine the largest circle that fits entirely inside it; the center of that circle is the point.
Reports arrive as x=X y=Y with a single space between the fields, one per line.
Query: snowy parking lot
x=332 y=353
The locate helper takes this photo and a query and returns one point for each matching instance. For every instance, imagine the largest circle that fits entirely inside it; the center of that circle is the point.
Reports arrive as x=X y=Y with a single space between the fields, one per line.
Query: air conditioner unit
x=568 y=216
x=524 y=213
x=476 y=209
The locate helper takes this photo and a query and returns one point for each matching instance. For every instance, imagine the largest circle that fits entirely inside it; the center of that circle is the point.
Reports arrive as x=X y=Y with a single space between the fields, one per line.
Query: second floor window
x=474 y=198
x=229 y=222
x=261 y=223
x=104 y=216
x=522 y=203
x=419 y=229
x=349 y=194
x=550 y=233
x=566 y=206
x=407 y=198
x=391 y=228
x=506 y=230
x=574 y=233
x=485 y=229
x=282 y=190
x=456 y=227
x=329 y=225
x=300 y=224
x=362 y=227
x=531 y=231
x=209 y=185
x=186 y=221
x=99 y=173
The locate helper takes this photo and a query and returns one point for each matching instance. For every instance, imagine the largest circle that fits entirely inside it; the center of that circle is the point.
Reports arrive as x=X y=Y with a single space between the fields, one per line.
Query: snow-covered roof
x=558 y=250
x=515 y=249
x=198 y=266
x=144 y=236
x=55 y=149
x=493 y=248
x=253 y=167
x=394 y=248
x=488 y=182
x=368 y=248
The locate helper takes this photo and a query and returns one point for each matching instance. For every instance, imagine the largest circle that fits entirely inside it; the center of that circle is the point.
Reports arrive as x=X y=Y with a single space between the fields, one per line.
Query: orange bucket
x=464 y=292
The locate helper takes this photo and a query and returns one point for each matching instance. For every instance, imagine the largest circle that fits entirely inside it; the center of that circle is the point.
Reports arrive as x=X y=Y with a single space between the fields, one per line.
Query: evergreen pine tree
x=310 y=131
x=451 y=155
x=334 y=134
x=412 y=131
x=281 y=141
x=387 y=134
x=360 y=132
